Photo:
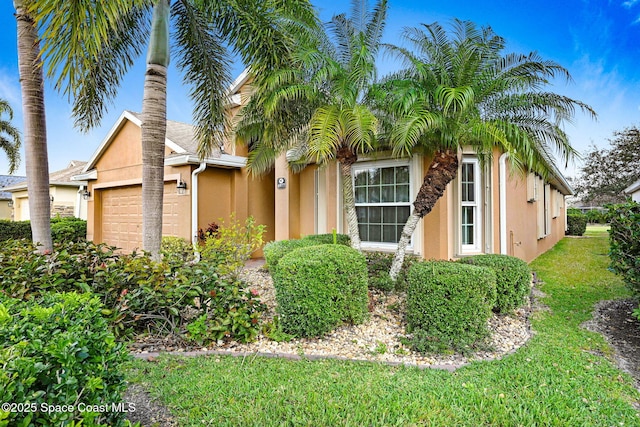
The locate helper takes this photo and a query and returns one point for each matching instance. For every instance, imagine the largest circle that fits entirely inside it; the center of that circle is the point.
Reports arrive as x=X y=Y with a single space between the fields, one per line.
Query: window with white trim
x=470 y=206
x=383 y=200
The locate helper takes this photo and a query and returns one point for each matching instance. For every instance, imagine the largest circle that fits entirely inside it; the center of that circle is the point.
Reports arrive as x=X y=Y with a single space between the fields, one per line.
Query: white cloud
x=10 y=87
x=610 y=94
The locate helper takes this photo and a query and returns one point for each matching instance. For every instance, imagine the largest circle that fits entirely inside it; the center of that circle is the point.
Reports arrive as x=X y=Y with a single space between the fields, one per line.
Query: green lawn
x=557 y=379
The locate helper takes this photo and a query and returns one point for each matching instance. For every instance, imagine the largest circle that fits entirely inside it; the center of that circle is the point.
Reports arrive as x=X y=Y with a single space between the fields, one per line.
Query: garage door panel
x=122 y=215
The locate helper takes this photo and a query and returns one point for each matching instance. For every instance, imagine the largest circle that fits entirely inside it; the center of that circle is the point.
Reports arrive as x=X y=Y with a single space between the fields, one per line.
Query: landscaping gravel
x=377 y=339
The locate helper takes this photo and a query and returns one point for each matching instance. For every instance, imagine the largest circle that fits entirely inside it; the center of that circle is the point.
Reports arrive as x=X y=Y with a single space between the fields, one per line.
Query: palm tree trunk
x=154 y=130
x=346 y=157
x=350 y=206
x=35 y=130
x=443 y=170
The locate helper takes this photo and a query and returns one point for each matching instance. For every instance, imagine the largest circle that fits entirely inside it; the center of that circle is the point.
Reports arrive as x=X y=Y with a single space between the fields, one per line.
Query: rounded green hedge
x=513 y=279
x=448 y=304
x=319 y=287
x=274 y=251
x=57 y=350
x=576 y=224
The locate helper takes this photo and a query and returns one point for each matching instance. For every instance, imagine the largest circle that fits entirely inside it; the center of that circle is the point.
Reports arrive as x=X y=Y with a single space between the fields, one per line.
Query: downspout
x=194 y=210
x=502 y=172
x=78 y=210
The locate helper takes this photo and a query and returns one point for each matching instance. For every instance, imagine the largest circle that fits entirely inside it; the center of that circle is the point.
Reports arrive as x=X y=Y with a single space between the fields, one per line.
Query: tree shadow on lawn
x=615 y=321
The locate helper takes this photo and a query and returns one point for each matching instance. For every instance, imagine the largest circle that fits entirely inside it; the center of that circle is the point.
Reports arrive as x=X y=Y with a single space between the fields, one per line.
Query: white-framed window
x=470 y=190
x=382 y=192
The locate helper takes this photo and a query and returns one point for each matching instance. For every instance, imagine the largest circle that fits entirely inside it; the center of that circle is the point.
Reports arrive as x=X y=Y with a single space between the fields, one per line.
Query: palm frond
x=205 y=63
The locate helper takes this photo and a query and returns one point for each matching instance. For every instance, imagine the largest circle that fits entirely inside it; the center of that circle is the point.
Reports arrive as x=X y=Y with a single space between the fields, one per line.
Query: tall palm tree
x=9 y=137
x=35 y=133
x=462 y=90
x=261 y=33
x=317 y=106
x=73 y=38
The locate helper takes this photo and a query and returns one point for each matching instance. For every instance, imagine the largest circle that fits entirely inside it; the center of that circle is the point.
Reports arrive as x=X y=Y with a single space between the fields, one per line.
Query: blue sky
x=598 y=41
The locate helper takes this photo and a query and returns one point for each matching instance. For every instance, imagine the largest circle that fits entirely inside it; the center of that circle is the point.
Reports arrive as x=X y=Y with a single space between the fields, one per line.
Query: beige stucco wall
x=438 y=232
x=65 y=203
x=5 y=211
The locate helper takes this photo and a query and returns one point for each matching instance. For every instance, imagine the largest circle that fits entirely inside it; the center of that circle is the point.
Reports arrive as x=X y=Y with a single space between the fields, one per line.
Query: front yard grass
x=562 y=377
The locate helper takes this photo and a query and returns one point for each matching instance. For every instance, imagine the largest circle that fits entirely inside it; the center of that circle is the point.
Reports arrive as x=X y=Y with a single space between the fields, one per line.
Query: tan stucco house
x=65 y=193
x=6 y=203
x=485 y=210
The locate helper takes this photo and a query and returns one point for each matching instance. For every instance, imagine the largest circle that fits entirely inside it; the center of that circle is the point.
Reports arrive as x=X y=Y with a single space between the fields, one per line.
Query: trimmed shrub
x=378 y=265
x=14 y=230
x=274 y=251
x=319 y=287
x=576 y=224
x=624 y=238
x=448 y=305
x=62 y=230
x=513 y=279
x=58 y=350
x=68 y=229
x=327 y=239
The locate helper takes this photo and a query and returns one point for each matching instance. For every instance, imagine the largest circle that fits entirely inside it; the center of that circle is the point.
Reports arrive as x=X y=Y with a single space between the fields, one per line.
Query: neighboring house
x=486 y=210
x=66 y=194
x=6 y=204
x=634 y=191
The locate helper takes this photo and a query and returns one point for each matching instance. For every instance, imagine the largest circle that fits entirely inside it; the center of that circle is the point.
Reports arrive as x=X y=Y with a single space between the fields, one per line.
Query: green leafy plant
x=273 y=331
x=232 y=244
x=576 y=224
x=139 y=295
x=624 y=241
x=318 y=287
x=448 y=305
x=230 y=312
x=513 y=279
x=57 y=350
x=176 y=250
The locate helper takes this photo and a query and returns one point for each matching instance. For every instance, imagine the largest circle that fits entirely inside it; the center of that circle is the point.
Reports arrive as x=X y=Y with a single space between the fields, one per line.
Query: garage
x=121 y=219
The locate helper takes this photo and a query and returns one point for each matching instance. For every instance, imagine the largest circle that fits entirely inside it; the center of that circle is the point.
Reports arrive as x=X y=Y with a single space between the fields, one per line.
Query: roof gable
x=180 y=137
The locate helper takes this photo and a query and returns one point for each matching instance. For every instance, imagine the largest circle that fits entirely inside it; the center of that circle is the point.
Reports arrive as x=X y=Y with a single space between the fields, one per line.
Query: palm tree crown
x=102 y=39
x=316 y=107
x=461 y=90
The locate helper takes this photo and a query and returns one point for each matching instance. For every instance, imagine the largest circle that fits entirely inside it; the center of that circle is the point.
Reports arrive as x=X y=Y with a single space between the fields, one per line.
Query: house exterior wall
x=5 y=211
x=115 y=205
x=299 y=211
x=635 y=196
x=66 y=203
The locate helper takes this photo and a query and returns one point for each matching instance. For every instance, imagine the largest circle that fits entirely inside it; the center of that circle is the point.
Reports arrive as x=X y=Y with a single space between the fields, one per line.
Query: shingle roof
x=61 y=177
x=181 y=134
x=7 y=180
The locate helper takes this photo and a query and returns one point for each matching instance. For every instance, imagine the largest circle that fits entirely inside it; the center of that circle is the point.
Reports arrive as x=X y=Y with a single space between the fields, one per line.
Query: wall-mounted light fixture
x=181 y=187
x=10 y=204
x=86 y=194
x=51 y=198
